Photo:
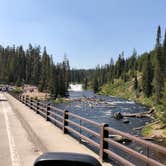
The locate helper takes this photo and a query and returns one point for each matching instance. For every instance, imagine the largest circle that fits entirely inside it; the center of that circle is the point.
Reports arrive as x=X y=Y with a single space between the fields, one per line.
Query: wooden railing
x=72 y=123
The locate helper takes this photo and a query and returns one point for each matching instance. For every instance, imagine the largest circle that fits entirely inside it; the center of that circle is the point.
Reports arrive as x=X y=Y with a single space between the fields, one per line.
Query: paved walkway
x=34 y=133
x=15 y=147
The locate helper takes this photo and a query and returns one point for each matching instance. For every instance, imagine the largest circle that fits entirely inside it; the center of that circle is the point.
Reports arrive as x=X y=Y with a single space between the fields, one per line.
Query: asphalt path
x=15 y=147
x=25 y=135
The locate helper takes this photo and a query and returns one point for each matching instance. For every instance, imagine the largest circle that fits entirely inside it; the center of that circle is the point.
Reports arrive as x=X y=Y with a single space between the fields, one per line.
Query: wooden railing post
x=103 y=144
x=19 y=97
x=23 y=99
x=26 y=100
x=47 y=112
x=37 y=108
x=31 y=102
x=65 y=123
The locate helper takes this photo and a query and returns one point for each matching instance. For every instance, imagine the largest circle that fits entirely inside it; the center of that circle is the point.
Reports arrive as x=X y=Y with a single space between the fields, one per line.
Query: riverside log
x=139 y=115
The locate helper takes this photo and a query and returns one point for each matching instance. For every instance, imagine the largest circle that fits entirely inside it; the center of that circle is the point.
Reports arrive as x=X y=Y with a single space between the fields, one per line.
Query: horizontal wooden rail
x=138 y=140
x=56 y=109
x=118 y=158
x=83 y=137
x=56 y=121
x=42 y=108
x=41 y=112
x=42 y=104
x=84 y=119
x=67 y=121
x=84 y=128
x=33 y=107
x=133 y=152
x=56 y=115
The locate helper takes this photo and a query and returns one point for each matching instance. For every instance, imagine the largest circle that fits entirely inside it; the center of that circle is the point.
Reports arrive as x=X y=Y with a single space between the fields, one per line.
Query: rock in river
x=119 y=138
x=118 y=115
x=125 y=120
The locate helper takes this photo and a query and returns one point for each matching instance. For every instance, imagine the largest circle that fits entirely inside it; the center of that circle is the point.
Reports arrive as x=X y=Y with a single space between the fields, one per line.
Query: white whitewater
x=75 y=87
x=123 y=102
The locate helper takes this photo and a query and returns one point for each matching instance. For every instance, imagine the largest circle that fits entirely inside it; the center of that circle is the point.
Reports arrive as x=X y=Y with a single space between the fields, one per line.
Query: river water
x=103 y=113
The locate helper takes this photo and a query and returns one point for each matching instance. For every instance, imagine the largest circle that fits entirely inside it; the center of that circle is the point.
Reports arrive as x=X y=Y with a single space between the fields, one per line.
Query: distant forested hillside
x=30 y=66
x=138 y=77
x=149 y=67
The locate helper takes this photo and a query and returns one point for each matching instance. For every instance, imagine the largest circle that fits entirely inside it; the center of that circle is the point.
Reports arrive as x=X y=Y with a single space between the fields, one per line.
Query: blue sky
x=90 y=32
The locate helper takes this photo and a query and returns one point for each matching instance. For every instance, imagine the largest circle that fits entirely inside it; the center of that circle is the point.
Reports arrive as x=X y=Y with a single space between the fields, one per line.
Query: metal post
x=65 y=123
x=47 y=112
x=103 y=144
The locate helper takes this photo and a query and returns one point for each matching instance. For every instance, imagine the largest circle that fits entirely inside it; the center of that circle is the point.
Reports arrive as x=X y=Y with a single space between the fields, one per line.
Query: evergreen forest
x=19 y=66
x=147 y=72
x=139 y=77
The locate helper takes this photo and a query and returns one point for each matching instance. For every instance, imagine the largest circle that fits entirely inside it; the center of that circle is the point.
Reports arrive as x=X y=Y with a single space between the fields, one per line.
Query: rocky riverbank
x=157 y=130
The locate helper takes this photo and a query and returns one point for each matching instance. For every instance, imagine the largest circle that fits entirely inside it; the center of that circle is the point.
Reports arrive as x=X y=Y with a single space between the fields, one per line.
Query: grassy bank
x=126 y=90
x=60 y=100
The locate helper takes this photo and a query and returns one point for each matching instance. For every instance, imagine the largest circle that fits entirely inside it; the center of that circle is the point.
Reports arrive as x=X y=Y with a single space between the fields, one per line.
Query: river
x=103 y=113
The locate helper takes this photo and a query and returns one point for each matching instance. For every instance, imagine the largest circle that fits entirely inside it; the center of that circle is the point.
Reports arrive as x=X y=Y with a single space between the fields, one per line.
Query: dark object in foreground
x=66 y=159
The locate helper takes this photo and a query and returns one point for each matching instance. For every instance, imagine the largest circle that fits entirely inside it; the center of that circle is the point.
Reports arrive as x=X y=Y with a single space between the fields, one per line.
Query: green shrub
x=17 y=90
x=146 y=131
x=163 y=117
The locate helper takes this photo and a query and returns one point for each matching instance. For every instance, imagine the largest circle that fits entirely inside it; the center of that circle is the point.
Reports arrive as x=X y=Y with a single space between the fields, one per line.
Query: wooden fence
x=68 y=122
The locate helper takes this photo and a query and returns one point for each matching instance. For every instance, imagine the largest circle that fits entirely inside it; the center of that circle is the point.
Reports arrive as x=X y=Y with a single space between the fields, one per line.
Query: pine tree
x=53 y=81
x=66 y=72
x=111 y=70
x=164 y=56
x=147 y=77
x=135 y=82
x=95 y=85
x=29 y=64
x=45 y=71
x=85 y=83
x=120 y=66
x=36 y=66
x=20 y=66
x=158 y=76
x=12 y=66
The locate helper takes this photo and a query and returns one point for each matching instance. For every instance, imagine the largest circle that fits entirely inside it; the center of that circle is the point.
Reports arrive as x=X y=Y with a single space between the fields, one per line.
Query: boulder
x=119 y=138
x=125 y=120
x=118 y=115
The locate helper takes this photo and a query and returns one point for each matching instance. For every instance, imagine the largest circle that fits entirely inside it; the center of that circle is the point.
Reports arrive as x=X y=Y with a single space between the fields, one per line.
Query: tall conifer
x=147 y=77
x=164 y=56
x=158 y=76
